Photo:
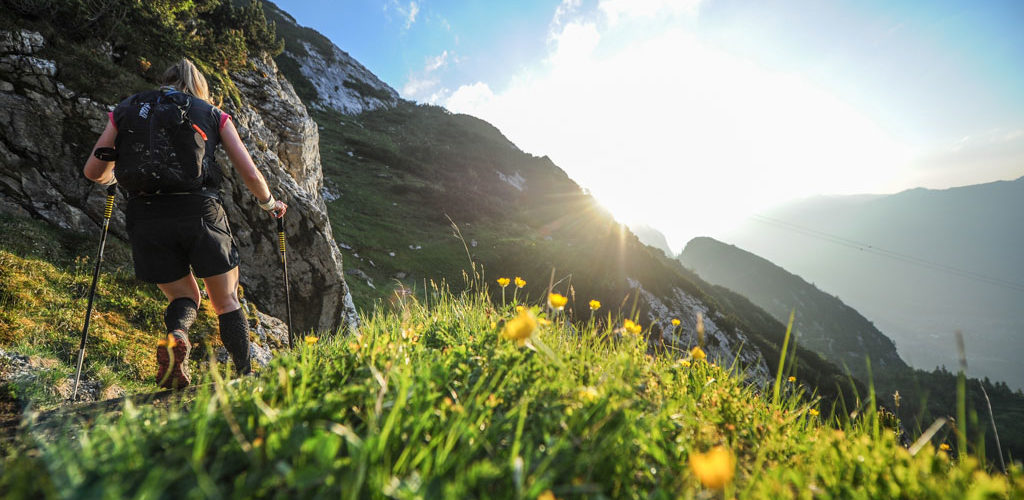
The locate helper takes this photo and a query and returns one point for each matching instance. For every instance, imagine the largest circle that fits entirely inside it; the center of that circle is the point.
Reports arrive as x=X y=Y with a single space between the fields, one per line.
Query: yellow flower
x=631 y=327
x=684 y=363
x=557 y=301
x=520 y=282
x=595 y=305
x=520 y=328
x=588 y=393
x=169 y=342
x=543 y=321
x=715 y=468
x=547 y=495
x=698 y=354
x=310 y=340
x=503 y=282
x=792 y=379
x=814 y=413
x=675 y=322
x=520 y=309
x=944 y=447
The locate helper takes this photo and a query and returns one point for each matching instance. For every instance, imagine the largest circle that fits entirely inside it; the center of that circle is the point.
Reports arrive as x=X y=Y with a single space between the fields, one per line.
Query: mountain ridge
x=819 y=316
x=843 y=336
x=920 y=264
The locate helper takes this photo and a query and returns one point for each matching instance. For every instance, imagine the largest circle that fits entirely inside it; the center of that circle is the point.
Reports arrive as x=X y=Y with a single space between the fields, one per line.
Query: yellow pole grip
x=109 y=210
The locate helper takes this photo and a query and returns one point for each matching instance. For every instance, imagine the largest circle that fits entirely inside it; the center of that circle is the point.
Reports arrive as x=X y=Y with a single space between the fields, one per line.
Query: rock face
x=325 y=71
x=721 y=347
x=284 y=142
x=47 y=131
x=336 y=80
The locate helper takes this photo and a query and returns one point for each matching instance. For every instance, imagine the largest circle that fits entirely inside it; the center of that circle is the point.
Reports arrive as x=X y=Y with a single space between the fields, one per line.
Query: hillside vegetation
x=111 y=49
x=45 y=275
x=432 y=400
x=397 y=180
x=839 y=333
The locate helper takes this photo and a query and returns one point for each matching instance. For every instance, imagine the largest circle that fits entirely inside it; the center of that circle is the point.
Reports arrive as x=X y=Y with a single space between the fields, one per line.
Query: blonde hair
x=186 y=77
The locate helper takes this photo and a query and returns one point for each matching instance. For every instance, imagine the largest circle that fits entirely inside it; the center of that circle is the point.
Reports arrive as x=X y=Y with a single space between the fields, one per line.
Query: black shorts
x=170 y=233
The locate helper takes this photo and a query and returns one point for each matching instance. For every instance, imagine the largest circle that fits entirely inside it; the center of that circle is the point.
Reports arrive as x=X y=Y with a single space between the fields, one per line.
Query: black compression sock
x=234 y=333
x=180 y=314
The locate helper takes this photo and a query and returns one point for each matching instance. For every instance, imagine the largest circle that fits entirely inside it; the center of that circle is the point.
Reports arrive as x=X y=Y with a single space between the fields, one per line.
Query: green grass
x=428 y=401
x=45 y=276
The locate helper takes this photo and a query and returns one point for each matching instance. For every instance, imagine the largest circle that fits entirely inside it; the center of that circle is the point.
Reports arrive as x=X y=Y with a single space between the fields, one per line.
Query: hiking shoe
x=172 y=361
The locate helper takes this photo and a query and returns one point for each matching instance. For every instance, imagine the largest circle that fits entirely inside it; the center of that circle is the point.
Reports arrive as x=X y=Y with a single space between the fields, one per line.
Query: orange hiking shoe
x=172 y=361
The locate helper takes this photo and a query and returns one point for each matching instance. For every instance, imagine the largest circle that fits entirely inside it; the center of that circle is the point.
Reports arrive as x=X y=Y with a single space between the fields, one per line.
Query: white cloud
x=675 y=132
x=470 y=97
x=436 y=63
x=618 y=10
x=408 y=12
x=984 y=156
x=573 y=45
x=411 y=16
x=423 y=85
x=993 y=137
x=419 y=85
x=565 y=9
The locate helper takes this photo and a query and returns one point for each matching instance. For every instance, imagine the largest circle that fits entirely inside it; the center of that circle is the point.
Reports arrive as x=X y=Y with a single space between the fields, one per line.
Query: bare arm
x=96 y=170
x=245 y=167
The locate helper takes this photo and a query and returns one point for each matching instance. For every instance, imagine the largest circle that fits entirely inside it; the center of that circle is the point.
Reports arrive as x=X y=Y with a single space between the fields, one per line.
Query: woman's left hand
x=279 y=209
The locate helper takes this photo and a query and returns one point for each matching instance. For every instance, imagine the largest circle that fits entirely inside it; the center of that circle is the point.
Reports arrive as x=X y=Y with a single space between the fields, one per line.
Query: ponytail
x=186 y=77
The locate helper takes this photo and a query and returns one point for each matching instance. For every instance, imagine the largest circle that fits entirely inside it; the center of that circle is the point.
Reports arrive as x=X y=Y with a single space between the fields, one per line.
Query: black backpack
x=159 y=148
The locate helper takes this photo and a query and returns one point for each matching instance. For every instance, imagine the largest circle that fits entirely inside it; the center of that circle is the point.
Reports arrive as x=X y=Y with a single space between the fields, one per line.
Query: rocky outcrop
x=722 y=347
x=47 y=130
x=284 y=142
x=335 y=80
x=41 y=151
x=341 y=82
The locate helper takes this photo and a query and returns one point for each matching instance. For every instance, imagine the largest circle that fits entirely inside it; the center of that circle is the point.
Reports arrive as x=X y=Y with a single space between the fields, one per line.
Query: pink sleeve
x=224 y=117
x=111 y=115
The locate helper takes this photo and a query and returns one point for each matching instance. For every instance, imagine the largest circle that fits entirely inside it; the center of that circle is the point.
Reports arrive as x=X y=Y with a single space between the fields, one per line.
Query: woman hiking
x=163 y=158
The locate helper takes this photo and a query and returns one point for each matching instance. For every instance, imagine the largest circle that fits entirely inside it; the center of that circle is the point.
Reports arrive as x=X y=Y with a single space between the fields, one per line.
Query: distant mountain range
x=841 y=335
x=920 y=265
x=652 y=237
x=822 y=323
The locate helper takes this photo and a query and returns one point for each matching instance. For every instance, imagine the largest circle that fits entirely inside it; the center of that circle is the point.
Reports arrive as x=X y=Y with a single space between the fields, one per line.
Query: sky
x=691 y=115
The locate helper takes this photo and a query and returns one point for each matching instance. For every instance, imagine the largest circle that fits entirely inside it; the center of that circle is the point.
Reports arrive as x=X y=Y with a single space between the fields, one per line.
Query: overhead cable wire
x=909 y=259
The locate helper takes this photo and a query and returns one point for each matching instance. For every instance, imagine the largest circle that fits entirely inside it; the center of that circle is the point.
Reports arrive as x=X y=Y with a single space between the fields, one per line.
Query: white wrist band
x=269 y=205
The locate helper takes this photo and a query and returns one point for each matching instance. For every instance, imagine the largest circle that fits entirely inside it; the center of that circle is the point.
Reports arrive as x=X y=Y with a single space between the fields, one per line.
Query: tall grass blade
x=961 y=397
x=992 y=418
x=873 y=401
x=782 y=358
x=927 y=436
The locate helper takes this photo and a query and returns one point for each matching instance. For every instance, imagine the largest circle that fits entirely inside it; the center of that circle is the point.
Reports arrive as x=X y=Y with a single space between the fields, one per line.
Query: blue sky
x=720 y=107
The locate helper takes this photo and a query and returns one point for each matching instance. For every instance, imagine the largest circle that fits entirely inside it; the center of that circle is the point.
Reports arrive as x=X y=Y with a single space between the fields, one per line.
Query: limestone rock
x=284 y=143
x=47 y=131
x=21 y=42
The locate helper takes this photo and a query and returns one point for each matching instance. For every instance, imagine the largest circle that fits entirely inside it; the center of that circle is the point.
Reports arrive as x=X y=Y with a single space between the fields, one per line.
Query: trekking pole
x=287 y=292
x=107 y=212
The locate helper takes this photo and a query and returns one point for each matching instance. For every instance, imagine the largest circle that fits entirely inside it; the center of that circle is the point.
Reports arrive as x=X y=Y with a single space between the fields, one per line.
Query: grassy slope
x=401 y=174
x=45 y=275
x=431 y=402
